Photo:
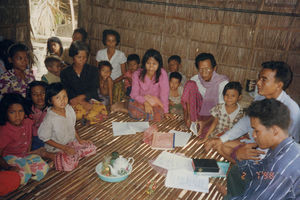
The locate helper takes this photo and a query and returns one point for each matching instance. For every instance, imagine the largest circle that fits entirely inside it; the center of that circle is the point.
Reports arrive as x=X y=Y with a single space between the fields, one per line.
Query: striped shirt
x=277 y=176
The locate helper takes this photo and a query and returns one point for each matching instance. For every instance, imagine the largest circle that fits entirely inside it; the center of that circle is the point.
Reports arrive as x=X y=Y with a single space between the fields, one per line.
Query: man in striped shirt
x=277 y=176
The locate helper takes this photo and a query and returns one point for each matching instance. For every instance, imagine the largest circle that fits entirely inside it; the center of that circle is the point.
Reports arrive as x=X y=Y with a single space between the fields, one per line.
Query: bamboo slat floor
x=83 y=182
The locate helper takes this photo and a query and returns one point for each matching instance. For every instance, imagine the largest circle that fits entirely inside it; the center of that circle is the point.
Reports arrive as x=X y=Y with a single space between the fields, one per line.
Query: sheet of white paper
x=193 y=128
x=121 y=128
x=138 y=126
x=181 y=138
x=128 y=128
x=171 y=161
x=187 y=180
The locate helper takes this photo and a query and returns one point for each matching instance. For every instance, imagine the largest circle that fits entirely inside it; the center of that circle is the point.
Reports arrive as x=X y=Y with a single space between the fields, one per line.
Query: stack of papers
x=128 y=128
x=181 y=173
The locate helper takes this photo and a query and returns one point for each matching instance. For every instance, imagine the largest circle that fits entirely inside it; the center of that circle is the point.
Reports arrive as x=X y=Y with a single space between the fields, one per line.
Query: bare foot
x=222 y=189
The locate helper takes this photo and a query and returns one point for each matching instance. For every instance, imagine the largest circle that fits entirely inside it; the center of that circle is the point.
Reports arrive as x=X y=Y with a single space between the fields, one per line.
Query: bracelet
x=233 y=154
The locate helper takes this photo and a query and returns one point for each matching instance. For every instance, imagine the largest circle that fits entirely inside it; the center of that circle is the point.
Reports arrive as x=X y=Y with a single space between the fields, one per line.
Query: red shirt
x=38 y=117
x=16 y=140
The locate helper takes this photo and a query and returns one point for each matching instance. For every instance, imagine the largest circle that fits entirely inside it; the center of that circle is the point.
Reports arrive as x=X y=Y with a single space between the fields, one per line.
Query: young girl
x=18 y=78
x=117 y=58
x=63 y=144
x=15 y=140
x=228 y=113
x=35 y=96
x=54 y=46
x=175 y=93
x=106 y=83
x=150 y=89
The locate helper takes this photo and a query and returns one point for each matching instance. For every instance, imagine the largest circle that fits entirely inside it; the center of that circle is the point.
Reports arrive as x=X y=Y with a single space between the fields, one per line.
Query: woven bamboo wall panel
x=234 y=56
x=295 y=42
x=14 y=20
x=237 y=36
x=176 y=27
x=196 y=47
x=294 y=59
x=272 y=39
x=261 y=56
x=205 y=32
x=240 y=38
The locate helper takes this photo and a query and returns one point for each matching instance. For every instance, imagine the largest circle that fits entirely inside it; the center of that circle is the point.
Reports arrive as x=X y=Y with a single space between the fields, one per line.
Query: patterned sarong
x=192 y=96
x=65 y=162
x=31 y=166
x=137 y=111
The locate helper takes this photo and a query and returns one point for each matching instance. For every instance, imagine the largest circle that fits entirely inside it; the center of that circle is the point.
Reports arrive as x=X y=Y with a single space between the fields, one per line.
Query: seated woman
x=150 y=89
x=203 y=92
x=80 y=79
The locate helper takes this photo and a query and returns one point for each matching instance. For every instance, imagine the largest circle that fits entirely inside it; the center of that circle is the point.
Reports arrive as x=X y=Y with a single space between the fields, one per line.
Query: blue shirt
x=277 y=176
x=243 y=126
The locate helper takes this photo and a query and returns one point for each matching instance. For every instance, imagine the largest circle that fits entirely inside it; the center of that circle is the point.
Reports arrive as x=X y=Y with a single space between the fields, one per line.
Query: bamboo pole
x=72 y=14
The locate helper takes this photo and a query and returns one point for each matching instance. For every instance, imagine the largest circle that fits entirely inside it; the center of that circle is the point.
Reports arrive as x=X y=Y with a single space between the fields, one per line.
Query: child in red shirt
x=15 y=140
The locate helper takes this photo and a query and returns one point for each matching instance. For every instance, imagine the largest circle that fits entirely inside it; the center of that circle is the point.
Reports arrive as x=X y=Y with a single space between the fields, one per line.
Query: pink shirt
x=127 y=74
x=149 y=87
x=16 y=140
x=37 y=116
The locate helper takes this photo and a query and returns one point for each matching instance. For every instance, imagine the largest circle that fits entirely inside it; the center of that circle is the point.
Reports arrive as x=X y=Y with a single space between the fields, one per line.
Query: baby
x=53 y=64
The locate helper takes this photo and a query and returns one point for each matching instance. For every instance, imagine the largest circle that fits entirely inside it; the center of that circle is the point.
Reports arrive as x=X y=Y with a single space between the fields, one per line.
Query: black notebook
x=205 y=165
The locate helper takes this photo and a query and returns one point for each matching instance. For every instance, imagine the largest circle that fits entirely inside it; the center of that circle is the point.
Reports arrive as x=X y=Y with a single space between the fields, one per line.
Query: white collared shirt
x=244 y=126
x=116 y=60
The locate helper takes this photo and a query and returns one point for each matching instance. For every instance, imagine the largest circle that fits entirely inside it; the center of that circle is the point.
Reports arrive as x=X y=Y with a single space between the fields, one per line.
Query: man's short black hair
x=283 y=72
x=205 y=56
x=135 y=57
x=176 y=75
x=233 y=85
x=176 y=58
x=270 y=112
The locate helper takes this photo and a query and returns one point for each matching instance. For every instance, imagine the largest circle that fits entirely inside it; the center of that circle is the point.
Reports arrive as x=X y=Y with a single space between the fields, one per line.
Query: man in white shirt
x=274 y=78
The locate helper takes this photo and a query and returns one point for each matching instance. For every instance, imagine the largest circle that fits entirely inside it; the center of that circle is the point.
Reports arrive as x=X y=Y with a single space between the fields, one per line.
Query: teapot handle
x=130 y=159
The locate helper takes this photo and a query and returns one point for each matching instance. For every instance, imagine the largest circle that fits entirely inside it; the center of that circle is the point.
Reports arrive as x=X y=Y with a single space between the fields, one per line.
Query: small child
x=175 y=93
x=105 y=83
x=54 y=46
x=35 y=96
x=15 y=140
x=111 y=39
x=62 y=142
x=133 y=62
x=226 y=114
x=18 y=78
x=53 y=64
x=174 y=63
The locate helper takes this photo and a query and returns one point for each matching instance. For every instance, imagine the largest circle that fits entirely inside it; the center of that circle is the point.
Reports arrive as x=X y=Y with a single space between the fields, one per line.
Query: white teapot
x=120 y=165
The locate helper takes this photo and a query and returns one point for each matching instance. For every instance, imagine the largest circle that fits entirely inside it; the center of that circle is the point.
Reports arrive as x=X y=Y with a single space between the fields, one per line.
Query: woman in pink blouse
x=150 y=89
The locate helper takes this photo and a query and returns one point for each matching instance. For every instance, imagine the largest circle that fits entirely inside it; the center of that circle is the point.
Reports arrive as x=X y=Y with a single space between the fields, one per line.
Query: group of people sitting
x=37 y=118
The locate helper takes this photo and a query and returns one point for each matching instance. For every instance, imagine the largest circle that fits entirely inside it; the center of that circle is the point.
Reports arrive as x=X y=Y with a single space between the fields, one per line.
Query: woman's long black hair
x=156 y=55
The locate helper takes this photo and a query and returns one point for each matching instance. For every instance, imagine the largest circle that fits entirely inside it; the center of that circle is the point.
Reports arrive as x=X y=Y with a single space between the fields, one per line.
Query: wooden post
x=72 y=14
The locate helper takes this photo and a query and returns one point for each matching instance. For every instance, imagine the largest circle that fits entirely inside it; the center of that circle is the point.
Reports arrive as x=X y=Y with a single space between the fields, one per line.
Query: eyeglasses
x=205 y=70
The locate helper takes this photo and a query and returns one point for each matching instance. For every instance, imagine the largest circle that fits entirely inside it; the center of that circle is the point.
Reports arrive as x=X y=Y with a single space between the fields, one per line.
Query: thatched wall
x=241 y=34
x=15 y=20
